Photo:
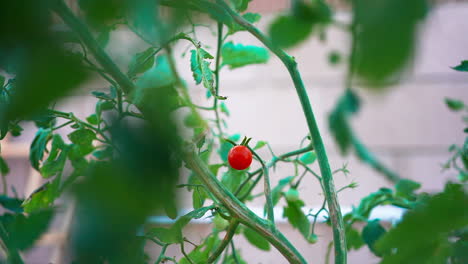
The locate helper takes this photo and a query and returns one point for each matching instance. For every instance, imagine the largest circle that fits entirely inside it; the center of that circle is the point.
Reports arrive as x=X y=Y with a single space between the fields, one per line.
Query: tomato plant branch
x=192 y=160
x=227 y=238
x=266 y=188
x=216 y=72
x=336 y=218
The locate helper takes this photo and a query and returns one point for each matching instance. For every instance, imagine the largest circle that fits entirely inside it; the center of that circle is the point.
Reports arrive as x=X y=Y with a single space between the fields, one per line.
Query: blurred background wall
x=408 y=126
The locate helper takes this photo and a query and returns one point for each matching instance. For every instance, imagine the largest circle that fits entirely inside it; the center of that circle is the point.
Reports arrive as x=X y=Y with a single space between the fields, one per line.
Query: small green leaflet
x=353 y=238
x=257 y=240
x=308 y=158
x=454 y=104
x=260 y=144
x=238 y=55
x=55 y=162
x=141 y=62
x=200 y=254
x=463 y=66
x=240 y=5
x=202 y=73
x=12 y=204
x=276 y=192
x=405 y=188
x=224 y=108
x=4 y=169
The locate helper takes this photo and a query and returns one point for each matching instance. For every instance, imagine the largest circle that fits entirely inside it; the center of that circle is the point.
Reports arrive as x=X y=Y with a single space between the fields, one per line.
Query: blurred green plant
x=121 y=164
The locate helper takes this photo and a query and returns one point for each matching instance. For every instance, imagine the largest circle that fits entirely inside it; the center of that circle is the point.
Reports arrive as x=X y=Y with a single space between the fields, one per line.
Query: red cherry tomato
x=240 y=157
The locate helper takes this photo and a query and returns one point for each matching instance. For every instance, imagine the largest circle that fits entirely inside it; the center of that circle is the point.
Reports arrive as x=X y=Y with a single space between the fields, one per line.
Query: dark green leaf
x=104 y=153
x=454 y=104
x=38 y=146
x=141 y=62
x=166 y=235
x=82 y=136
x=25 y=230
x=240 y=5
x=288 y=31
x=316 y=11
x=4 y=169
x=238 y=55
x=405 y=188
x=308 y=158
x=353 y=238
x=371 y=233
x=385 y=27
x=92 y=119
x=338 y=120
x=423 y=233
x=463 y=66
x=12 y=204
x=257 y=240
x=297 y=218
x=101 y=95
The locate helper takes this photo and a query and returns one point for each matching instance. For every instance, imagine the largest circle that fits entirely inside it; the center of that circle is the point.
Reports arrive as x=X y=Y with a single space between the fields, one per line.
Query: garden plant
x=121 y=164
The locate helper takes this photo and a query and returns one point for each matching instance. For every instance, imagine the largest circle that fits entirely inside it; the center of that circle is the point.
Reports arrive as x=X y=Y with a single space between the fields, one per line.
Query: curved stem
x=328 y=185
x=216 y=72
x=227 y=238
x=266 y=188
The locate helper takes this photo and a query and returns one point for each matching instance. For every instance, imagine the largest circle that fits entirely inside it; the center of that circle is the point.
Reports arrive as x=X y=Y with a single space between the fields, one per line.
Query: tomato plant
x=121 y=163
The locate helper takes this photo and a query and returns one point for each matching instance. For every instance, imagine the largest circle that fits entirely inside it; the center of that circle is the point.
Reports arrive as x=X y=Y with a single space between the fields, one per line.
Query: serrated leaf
x=371 y=233
x=141 y=62
x=25 y=230
x=308 y=158
x=38 y=146
x=463 y=66
x=257 y=240
x=288 y=31
x=297 y=218
x=454 y=104
x=238 y=55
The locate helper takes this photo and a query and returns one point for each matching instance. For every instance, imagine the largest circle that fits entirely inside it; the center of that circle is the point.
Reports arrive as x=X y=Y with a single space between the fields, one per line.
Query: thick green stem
x=193 y=161
x=328 y=185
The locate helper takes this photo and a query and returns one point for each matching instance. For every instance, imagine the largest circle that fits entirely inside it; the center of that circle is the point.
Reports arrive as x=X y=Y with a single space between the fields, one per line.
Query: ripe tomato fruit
x=240 y=157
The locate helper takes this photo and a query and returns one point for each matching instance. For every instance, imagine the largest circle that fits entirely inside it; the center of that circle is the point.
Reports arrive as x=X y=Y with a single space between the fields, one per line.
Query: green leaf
x=92 y=119
x=369 y=202
x=101 y=95
x=238 y=55
x=260 y=144
x=276 y=192
x=233 y=178
x=25 y=230
x=104 y=153
x=4 y=169
x=371 y=233
x=240 y=5
x=12 y=204
x=308 y=158
x=422 y=234
x=166 y=235
x=338 y=120
x=353 y=238
x=224 y=108
x=82 y=136
x=405 y=188
x=55 y=162
x=316 y=11
x=297 y=218
x=193 y=120
x=385 y=27
x=38 y=146
x=257 y=240
x=463 y=66
x=250 y=17
x=141 y=62
x=201 y=253
x=198 y=197
x=201 y=69
x=454 y=104
x=43 y=197
x=288 y=31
